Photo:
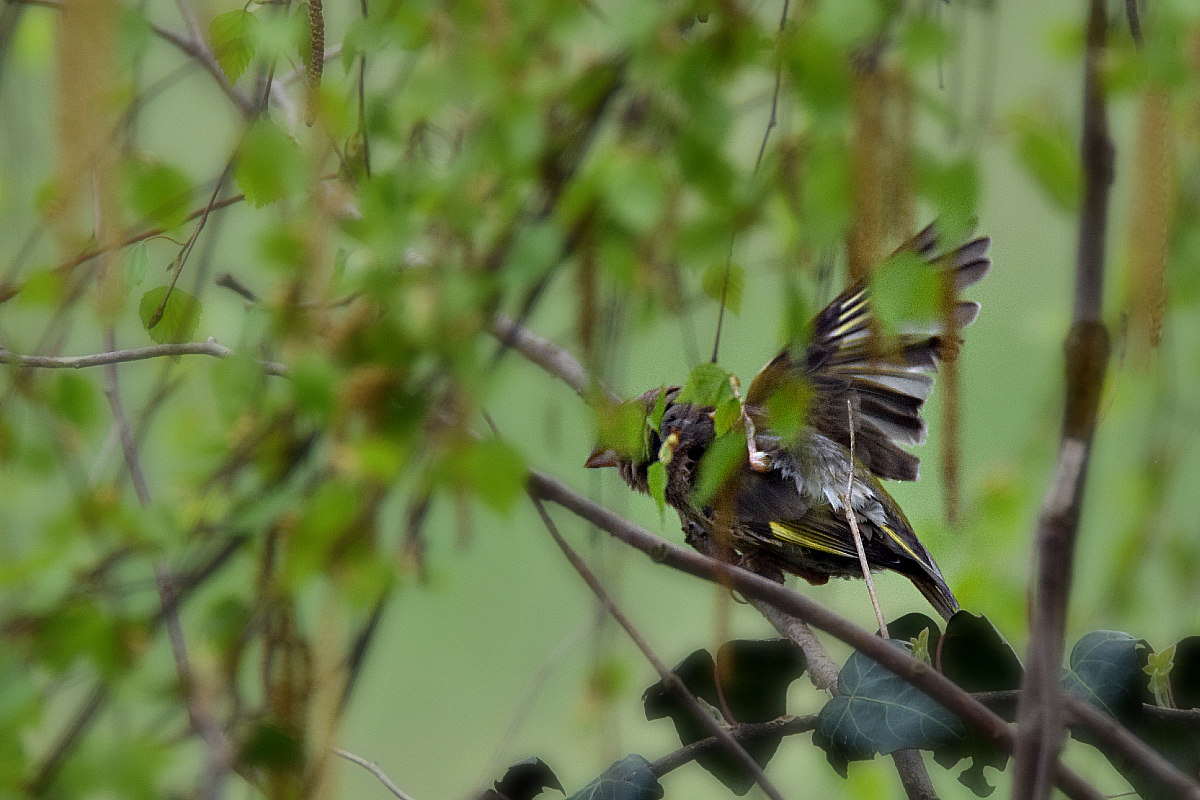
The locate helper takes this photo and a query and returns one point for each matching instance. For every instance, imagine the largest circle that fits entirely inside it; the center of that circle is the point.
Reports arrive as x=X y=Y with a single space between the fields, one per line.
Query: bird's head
x=631 y=438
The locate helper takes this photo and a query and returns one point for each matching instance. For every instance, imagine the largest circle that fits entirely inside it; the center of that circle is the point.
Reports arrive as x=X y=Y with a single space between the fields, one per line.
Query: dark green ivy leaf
x=1185 y=674
x=977 y=657
x=1106 y=669
x=627 y=779
x=877 y=712
x=754 y=678
x=524 y=780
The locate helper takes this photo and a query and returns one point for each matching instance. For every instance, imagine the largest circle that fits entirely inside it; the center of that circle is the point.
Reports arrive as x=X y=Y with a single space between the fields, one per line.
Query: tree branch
x=745 y=732
x=209 y=348
x=973 y=713
x=670 y=680
x=1039 y=711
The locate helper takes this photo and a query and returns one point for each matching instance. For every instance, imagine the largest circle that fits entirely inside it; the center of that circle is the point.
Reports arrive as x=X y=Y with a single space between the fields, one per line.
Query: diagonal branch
x=718 y=731
x=973 y=713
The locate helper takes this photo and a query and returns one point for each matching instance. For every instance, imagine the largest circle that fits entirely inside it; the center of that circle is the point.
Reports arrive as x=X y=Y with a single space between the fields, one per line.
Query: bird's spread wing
x=887 y=379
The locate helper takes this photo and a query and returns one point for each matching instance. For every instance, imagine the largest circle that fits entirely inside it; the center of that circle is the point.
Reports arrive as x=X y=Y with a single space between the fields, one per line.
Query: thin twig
x=549 y=356
x=852 y=519
x=374 y=769
x=209 y=348
x=745 y=732
x=670 y=680
x=198 y=51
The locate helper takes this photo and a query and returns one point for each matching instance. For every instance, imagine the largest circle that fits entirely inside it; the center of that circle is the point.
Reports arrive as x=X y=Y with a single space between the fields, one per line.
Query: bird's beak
x=601 y=457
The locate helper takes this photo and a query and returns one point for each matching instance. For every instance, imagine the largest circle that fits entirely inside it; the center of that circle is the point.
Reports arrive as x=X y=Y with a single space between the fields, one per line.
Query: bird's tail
x=937 y=593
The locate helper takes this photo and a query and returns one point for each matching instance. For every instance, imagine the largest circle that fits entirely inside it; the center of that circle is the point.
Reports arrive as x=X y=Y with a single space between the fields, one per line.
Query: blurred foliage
x=601 y=168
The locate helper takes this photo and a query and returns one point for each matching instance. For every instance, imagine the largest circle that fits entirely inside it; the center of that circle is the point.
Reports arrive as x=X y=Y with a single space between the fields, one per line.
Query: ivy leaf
x=524 y=780
x=1185 y=674
x=977 y=657
x=180 y=314
x=1107 y=669
x=234 y=38
x=754 y=676
x=628 y=779
x=877 y=712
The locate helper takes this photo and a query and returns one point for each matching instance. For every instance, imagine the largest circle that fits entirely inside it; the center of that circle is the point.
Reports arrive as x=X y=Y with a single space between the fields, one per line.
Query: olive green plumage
x=785 y=511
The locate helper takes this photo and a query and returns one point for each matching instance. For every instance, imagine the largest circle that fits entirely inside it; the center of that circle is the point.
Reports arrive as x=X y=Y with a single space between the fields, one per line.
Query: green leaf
x=1107 y=669
x=726 y=414
x=628 y=779
x=1158 y=667
x=787 y=406
x=707 y=386
x=1048 y=152
x=270 y=165
x=158 y=193
x=754 y=677
x=137 y=262
x=977 y=657
x=723 y=459
x=877 y=712
x=1185 y=673
x=234 y=38
x=727 y=279
x=492 y=469
x=272 y=746
x=524 y=780
x=656 y=477
x=180 y=315
x=905 y=289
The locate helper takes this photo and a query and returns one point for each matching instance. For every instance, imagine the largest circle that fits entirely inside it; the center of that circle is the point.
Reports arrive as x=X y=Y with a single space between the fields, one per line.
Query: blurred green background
x=496 y=651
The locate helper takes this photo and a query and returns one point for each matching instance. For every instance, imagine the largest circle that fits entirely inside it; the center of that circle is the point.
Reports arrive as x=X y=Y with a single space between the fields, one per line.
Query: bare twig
x=855 y=534
x=1039 y=714
x=198 y=51
x=670 y=680
x=549 y=356
x=822 y=670
x=374 y=769
x=746 y=732
x=208 y=348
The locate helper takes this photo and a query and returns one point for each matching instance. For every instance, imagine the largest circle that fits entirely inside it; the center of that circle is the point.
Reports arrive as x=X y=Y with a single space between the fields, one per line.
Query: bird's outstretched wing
x=886 y=378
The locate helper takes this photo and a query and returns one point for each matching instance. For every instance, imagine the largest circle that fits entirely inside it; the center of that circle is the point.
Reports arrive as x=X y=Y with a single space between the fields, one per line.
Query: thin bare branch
x=550 y=357
x=670 y=680
x=746 y=732
x=374 y=769
x=209 y=348
x=199 y=52
x=852 y=520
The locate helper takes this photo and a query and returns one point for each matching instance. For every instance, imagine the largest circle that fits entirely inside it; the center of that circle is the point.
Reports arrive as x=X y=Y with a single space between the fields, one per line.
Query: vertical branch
x=1039 y=712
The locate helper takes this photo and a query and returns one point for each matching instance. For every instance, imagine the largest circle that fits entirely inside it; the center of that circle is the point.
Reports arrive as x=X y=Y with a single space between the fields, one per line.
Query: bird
x=856 y=393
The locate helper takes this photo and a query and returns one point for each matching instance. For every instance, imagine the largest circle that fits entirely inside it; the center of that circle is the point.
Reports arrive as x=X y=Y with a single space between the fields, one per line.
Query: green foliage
x=726 y=282
x=707 y=386
x=158 y=193
x=1046 y=148
x=751 y=679
x=178 y=318
x=877 y=712
x=627 y=779
x=1107 y=668
x=233 y=37
x=905 y=289
x=270 y=164
x=723 y=460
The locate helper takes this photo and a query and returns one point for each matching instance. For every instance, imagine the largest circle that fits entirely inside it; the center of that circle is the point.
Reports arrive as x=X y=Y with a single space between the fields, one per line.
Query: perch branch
x=374 y=769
